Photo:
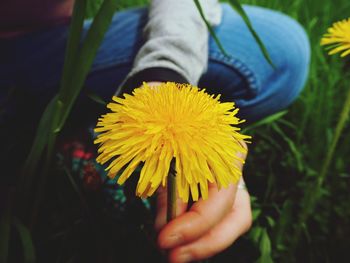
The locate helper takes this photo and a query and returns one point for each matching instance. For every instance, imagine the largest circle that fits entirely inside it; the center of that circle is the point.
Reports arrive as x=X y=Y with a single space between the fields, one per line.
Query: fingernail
x=172 y=241
x=184 y=258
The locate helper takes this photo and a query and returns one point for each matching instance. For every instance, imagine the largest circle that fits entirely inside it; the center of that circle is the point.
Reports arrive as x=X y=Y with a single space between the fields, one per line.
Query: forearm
x=176 y=41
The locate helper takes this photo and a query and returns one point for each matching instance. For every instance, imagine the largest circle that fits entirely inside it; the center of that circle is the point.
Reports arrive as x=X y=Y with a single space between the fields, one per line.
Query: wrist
x=152 y=75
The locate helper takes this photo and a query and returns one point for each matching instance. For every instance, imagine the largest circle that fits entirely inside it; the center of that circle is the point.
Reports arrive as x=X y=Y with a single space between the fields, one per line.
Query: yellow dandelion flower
x=155 y=125
x=338 y=37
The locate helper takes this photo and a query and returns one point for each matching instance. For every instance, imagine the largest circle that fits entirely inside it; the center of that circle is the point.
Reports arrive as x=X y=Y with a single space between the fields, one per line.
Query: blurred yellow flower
x=157 y=124
x=338 y=37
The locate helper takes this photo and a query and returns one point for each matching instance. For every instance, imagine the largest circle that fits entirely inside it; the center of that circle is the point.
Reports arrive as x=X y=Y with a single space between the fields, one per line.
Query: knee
x=292 y=65
x=289 y=49
x=265 y=90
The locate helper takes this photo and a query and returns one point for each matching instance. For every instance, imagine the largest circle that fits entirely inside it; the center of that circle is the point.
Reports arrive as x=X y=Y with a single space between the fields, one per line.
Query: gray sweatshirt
x=176 y=46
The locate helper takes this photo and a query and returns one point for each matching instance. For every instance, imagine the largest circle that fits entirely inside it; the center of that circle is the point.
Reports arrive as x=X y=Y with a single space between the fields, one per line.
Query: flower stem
x=171 y=206
x=338 y=132
x=312 y=195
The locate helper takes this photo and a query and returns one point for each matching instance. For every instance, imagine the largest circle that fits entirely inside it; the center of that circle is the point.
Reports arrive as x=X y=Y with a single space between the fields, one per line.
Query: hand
x=208 y=227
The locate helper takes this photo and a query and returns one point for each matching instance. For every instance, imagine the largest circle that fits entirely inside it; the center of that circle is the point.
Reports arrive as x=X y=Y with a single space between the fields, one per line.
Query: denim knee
x=266 y=90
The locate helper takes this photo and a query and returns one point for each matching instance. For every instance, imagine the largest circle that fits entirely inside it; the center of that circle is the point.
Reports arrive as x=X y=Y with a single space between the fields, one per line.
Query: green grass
x=287 y=155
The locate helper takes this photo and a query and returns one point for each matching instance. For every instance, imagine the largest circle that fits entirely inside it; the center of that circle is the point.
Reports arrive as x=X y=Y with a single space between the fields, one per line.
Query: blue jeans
x=33 y=63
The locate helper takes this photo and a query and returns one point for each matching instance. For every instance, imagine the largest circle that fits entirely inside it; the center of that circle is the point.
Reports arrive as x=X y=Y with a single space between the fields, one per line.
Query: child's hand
x=209 y=226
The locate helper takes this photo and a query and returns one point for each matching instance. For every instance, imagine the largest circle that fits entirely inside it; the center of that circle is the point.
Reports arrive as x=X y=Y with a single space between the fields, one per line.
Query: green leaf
x=256 y=213
x=238 y=7
x=298 y=156
x=86 y=56
x=53 y=109
x=283 y=224
x=38 y=145
x=255 y=234
x=210 y=28
x=270 y=119
x=96 y=98
x=73 y=43
x=26 y=240
x=92 y=8
x=265 y=248
x=58 y=112
x=306 y=232
x=261 y=238
x=270 y=221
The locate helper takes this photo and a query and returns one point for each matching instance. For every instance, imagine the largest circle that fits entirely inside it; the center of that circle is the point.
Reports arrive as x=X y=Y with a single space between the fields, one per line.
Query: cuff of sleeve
x=152 y=74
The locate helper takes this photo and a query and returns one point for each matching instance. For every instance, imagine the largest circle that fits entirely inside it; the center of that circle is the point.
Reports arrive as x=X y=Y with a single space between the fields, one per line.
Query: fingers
x=162 y=200
x=207 y=228
x=202 y=217
x=221 y=236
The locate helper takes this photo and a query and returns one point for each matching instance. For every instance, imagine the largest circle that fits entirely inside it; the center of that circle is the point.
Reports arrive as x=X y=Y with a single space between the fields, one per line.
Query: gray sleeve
x=177 y=38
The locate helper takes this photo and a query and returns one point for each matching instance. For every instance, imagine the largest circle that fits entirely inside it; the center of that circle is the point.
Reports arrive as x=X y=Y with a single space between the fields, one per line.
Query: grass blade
x=86 y=56
x=38 y=147
x=93 y=96
x=92 y=8
x=73 y=42
x=27 y=242
x=238 y=7
x=265 y=248
x=298 y=156
x=42 y=134
x=270 y=119
x=210 y=28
